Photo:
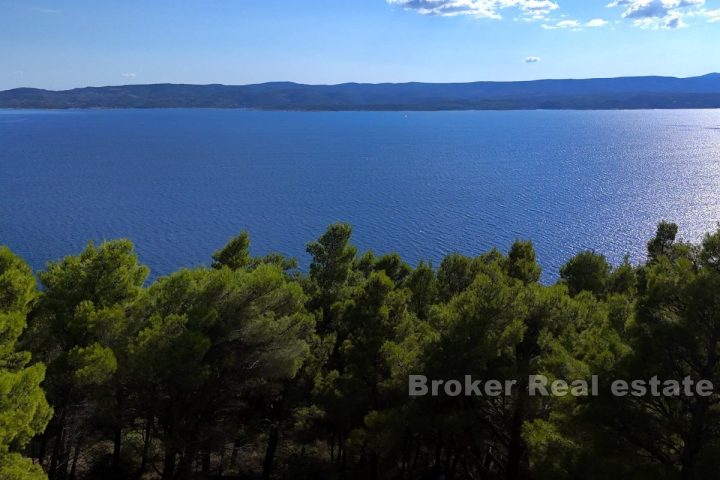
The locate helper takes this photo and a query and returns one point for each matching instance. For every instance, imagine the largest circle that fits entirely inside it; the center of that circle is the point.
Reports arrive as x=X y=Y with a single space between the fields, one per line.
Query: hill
x=597 y=93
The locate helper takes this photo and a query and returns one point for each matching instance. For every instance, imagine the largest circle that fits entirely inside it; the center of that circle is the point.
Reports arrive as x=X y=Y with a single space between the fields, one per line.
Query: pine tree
x=24 y=411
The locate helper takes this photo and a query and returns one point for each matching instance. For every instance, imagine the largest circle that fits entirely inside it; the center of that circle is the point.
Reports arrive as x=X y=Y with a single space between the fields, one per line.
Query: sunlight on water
x=179 y=183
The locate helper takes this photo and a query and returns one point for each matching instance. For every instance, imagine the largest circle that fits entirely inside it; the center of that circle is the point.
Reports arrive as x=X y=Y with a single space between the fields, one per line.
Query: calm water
x=179 y=183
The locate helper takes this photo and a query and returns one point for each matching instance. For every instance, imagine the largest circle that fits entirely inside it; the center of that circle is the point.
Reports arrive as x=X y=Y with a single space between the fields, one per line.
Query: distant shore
x=623 y=93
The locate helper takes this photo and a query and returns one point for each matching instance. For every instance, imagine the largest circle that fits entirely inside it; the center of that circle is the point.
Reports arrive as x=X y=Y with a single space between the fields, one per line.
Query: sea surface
x=180 y=183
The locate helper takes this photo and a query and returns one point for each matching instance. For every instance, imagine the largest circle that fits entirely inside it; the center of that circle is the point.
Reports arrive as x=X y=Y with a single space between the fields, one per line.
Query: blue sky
x=57 y=45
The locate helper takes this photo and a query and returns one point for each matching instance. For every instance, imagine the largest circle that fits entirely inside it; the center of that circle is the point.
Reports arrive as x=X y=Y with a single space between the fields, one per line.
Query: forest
x=252 y=368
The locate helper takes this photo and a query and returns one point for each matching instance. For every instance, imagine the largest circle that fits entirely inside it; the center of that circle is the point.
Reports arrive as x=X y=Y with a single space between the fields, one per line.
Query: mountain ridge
x=659 y=92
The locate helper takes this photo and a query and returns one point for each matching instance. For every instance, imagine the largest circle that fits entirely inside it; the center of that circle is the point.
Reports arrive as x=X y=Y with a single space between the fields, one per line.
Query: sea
x=180 y=183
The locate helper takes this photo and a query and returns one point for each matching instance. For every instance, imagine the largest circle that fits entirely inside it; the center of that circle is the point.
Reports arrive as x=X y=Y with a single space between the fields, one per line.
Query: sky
x=75 y=43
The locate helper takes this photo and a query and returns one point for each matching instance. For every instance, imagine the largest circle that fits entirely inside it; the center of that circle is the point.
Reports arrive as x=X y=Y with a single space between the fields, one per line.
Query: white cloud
x=576 y=25
x=46 y=10
x=596 y=22
x=530 y=9
x=646 y=9
x=674 y=21
x=538 y=9
x=655 y=14
x=648 y=14
x=533 y=59
x=568 y=24
x=713 y=16
x=128 y=75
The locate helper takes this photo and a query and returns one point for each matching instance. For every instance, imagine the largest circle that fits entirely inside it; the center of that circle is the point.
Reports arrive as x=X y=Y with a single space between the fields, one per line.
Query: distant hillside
x=599 y=93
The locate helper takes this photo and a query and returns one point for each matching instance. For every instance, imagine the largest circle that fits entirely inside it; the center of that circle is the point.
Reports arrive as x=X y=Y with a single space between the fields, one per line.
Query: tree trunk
x=438 y=454
x=416 y=456
x=117 y=429
x=205 y=469
x=76 y=455
x=58 y=464
x=234 y=454
x=146 y=445
x=169 y=463
x=117 y=444
x=55 y=458
x=405 y=454
x=341 y=452
x=693 y=441
x=516 y=447
x=453 y=467
x=186 y=464
x=42 y=449
x=272 y=444
x=221 y=463
x=373 y=466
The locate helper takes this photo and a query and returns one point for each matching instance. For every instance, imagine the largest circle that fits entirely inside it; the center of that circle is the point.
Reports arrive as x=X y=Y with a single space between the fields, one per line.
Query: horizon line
x=290 y=82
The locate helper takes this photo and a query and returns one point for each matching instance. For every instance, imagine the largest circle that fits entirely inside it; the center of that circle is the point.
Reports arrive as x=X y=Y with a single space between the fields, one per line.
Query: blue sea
x=180 y=183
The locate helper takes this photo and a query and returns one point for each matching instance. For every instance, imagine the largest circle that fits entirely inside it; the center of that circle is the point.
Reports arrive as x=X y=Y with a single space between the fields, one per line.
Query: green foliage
x=210 y=337
x=586 y=272
x=17 y=285
x=478 y=325
x=332 y=258
x=455 y=274
x=522 y=264
x=105 y=275
x=674 y=335
x=423 y=286
x=710 y=253
x=663 y=242
x=24 y=412
x=79 y=327
x=394 y=267
x=624 y=278
x=235 y=255
x=16 y=467
x=253 y=368
x=92 y=365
